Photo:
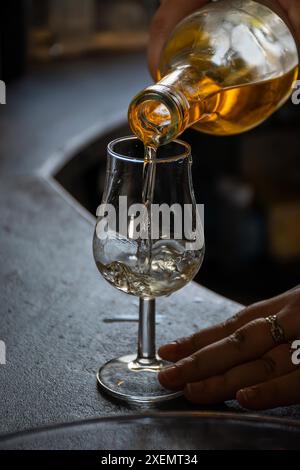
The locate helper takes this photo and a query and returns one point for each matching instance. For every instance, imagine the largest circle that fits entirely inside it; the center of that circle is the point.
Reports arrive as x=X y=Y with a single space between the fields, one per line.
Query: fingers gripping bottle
x=224 y=70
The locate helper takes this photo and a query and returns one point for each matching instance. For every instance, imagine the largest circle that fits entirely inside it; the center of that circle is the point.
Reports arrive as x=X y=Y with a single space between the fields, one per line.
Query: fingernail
x=247 y=395
x=169 y=375
x=168 y=348
x=194 y=388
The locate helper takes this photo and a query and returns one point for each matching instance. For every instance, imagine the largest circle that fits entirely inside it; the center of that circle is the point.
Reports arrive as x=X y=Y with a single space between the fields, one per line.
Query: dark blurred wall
x=13 y=39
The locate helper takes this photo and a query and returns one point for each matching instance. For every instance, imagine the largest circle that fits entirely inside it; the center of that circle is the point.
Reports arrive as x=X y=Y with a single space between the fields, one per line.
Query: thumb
x=164 y=21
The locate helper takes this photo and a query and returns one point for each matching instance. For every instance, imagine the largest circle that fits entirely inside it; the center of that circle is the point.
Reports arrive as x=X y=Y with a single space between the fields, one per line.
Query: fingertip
x=248 y=397
x=169 y=347
x=168 y=351
x=193 y=391
x=169 y=377
x=188 y=392
x=176 y=350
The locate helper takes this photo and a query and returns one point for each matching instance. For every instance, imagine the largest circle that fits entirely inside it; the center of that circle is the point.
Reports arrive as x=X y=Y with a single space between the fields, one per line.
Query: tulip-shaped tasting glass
x=146 y=250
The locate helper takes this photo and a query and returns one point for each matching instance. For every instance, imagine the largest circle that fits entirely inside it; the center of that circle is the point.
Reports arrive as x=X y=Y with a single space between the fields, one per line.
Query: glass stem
x=146 y=333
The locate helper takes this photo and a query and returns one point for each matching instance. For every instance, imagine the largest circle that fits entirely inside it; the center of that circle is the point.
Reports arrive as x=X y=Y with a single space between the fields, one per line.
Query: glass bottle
x=224 y=70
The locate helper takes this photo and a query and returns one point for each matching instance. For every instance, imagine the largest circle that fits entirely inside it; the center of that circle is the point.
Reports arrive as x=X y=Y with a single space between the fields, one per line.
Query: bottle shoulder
x=229 y=33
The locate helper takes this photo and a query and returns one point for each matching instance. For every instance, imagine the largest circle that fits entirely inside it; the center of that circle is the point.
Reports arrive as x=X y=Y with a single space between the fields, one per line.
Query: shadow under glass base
x=127 y=379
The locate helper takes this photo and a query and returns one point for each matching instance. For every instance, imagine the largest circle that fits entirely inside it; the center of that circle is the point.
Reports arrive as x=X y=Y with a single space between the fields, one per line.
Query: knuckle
x=189 y=343
x=183 y=340
x=269 y=365
x=184 y=343
x=237 y=339
x=193 y=362
x=256 y=322
x=228 y=325
x=237 y=320
x=194 y=341
x=245 y=336
x=159 y=25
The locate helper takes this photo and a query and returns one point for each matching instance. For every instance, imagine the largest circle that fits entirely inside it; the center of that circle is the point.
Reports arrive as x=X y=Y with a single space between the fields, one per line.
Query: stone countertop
x=55 y=306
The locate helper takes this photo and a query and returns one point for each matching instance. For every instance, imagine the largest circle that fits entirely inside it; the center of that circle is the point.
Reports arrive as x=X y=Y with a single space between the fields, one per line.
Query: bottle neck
x=159 y=113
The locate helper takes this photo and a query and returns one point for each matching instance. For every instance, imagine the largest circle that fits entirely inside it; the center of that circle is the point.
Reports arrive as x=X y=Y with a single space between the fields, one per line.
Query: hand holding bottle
x=223 y=70
x=172 y=11
x=166 y=18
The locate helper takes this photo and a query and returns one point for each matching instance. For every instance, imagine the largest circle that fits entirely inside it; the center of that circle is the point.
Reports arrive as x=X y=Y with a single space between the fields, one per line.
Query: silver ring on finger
x=277 y=331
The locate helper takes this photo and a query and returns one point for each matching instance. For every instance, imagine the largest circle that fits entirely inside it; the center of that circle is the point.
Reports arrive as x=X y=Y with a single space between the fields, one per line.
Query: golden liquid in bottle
x=230 y=98
x=225 y=97
x=236 y=109
x=225 y=111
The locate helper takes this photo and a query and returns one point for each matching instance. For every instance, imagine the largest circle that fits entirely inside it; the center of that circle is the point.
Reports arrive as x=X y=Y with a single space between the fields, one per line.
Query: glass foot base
x=129 y=380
